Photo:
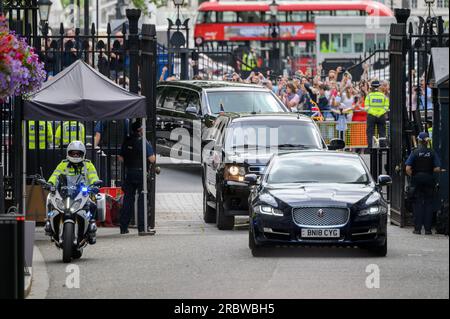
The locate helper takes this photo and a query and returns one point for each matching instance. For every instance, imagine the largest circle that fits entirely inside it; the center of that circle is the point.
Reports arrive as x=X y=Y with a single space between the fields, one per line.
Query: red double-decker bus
x=249 y=21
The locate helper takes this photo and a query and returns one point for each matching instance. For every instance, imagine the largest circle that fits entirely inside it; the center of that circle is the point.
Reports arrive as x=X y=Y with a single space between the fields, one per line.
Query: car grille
x=329 y=216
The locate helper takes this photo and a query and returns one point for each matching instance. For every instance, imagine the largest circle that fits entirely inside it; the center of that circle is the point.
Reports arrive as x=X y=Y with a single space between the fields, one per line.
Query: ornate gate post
x=398 y=115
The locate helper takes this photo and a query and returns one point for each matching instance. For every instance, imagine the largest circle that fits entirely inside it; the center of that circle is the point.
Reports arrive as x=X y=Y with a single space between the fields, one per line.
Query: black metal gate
x=123 y=57
x=411 y=104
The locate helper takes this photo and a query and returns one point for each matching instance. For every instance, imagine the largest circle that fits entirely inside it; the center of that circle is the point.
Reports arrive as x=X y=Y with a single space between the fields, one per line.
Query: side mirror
x=98 y=183
x=251 y=179
x=191 y=110
x=336 y=144
x=384 y=180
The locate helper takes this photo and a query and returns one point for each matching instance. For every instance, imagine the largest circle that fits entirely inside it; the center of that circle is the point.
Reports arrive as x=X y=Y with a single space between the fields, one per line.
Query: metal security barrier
x=354 y=136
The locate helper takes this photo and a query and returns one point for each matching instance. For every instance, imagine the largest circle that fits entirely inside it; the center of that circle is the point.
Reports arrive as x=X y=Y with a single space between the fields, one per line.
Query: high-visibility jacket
x=87 y=169
x=45 y=135
x=376 y=104
x=250 y=62
x=69 y=132
x=430 y=133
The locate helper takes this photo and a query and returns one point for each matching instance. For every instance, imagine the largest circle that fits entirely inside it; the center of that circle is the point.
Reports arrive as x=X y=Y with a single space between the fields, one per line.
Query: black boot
x=92 y=232
x=48 y=228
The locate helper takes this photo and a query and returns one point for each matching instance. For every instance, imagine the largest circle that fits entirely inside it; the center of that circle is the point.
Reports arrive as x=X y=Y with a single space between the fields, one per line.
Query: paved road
x=189 y=259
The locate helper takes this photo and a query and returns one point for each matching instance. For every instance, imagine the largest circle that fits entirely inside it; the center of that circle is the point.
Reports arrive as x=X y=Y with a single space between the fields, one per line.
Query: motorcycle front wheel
x=68 y=237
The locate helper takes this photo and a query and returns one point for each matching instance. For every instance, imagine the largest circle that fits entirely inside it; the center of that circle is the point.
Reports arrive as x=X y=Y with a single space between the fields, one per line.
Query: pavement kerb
x=39 y=282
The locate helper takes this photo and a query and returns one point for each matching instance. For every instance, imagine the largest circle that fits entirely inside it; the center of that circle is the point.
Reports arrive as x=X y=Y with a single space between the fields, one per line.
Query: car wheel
x=223 y=221
x=209 y=213
x=256 y=249
x=379 y=250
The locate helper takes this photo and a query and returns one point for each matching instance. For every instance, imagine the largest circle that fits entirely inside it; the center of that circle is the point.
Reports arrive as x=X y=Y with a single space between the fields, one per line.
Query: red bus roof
x=373 y=7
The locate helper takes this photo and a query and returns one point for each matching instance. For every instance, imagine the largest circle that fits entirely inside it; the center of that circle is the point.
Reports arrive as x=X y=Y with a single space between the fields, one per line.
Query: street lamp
x=177 y=40
x=44 y=10
x=429 y=3
x=273 y=7
x=274 y=25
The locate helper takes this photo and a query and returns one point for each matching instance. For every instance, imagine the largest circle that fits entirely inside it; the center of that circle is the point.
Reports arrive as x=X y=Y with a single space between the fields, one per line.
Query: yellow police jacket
x=376 y=104
x=249 y=62
x=63 y=168
x=45 y=134
x=70 y=131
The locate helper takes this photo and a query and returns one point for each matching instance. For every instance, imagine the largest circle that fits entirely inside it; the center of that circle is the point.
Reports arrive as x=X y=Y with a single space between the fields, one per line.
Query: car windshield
x=317 y=168
x=244 y=102
x=272 y=133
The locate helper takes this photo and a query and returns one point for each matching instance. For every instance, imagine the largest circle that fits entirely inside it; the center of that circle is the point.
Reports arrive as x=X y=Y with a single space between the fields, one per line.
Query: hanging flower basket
x=21 y=72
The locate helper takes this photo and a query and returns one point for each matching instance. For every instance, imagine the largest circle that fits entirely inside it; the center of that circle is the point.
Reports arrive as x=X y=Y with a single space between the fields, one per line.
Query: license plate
x=321 y=233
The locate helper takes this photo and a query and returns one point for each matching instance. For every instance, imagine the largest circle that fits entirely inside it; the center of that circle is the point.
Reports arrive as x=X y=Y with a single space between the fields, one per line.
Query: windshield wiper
x=245 y=146
x=301 y=182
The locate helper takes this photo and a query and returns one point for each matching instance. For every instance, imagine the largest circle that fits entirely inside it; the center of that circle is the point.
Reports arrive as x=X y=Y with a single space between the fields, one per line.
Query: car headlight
x=76 y=205
x=268 y=210
x=234 y=173
x=373 y=210
x=59 y=204
x=373 y=198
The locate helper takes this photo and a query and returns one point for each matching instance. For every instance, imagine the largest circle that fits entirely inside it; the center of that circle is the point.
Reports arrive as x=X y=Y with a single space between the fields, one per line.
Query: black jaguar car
x=318 y=198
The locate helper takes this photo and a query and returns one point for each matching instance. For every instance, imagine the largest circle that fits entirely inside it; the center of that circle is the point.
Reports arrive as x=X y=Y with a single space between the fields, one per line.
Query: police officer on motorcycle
x=131 y=154
x=76 y=164
x=421 y=164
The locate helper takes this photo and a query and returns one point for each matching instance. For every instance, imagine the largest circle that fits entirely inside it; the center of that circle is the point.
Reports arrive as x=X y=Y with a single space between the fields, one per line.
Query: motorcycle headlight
x=76 y=205
x=60 y=204
x=269 y=210
x=373 y=210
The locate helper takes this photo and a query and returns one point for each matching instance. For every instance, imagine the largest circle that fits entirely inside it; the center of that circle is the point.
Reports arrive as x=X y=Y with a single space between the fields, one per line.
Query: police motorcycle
x=69 y=207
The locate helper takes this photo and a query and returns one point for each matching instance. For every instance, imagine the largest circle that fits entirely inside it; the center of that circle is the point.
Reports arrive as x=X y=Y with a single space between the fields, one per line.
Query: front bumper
x=235 y=198
x=274 y=230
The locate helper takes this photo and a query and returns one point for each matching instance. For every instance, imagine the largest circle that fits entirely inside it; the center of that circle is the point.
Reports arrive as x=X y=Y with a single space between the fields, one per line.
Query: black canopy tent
x=81 y=93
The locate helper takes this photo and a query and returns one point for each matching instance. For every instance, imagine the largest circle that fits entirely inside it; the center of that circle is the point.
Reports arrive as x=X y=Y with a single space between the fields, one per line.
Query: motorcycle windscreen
x=70 y=186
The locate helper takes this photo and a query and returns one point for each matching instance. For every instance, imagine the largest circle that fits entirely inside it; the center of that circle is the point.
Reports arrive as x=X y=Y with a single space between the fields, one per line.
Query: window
x=370 y=41
x=321 y=13
x=194 y=101
x=244 y=102
x=347 y=43
x=358 y=42
x=206 y=17
x=281 y=16
x=324 y=41
x=335 y=42
x=381 y=41
x=274 y=133
x=227 y=17
x=414 y=4
x=170 y=98
x=346 y=13
x=297 y=16
x=317 y=169
x=249 y=17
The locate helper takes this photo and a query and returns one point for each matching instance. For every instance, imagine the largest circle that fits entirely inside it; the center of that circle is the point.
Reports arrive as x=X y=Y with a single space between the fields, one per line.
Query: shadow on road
x=314 y=252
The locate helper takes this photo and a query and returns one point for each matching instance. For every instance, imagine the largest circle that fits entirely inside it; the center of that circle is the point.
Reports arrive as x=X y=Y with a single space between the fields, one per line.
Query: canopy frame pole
x=24 y=167
x=144 y=173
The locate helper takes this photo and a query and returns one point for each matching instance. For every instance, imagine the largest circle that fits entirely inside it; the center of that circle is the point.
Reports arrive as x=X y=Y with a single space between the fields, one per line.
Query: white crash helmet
x=76 y=146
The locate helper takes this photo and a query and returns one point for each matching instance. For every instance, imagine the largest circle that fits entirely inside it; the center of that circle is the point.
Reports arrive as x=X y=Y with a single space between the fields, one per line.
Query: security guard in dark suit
x=131 y=155
x=421 y=165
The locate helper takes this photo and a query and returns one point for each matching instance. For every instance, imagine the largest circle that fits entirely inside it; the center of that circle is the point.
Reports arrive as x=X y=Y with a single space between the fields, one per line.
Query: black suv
x=241 y=144
x=187 y=109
